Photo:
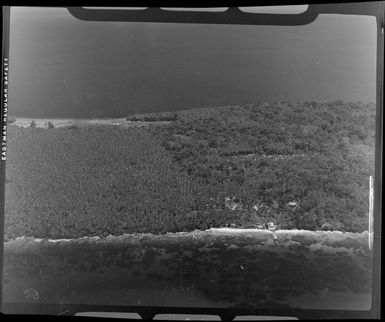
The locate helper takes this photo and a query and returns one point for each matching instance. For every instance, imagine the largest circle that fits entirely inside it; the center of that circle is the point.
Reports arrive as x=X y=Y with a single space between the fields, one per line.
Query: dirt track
x=318 y=270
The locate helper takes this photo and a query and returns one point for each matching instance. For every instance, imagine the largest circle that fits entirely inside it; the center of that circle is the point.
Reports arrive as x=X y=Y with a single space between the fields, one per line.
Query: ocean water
x=200 y=269
x=61 y=67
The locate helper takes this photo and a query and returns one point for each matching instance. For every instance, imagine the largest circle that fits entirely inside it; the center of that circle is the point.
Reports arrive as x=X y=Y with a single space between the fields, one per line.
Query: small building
x=292 y=203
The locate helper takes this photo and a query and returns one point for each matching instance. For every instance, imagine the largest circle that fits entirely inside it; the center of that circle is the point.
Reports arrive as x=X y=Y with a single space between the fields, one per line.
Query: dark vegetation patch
x=319 y=154
x=153 y=117
x=11 y=120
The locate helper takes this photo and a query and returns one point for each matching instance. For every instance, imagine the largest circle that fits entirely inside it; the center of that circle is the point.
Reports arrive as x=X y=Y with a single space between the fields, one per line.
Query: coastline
x=63 y=123
x=43 y=122
x=287 y=238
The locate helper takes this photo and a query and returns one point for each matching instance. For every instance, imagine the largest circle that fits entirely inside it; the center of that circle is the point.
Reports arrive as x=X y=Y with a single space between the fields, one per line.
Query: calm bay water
x=64 y=67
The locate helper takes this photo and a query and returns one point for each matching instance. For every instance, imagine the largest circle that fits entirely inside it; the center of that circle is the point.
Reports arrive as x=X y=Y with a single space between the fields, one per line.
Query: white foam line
x=286 y=231
x=58 y=240
x=225 y=230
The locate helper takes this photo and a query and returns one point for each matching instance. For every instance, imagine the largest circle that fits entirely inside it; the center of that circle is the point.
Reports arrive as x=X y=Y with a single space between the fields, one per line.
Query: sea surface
x=61 y=67
x=308 y=270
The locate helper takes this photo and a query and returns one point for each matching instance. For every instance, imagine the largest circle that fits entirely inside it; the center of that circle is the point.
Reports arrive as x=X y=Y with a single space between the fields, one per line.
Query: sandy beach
x=43 y=123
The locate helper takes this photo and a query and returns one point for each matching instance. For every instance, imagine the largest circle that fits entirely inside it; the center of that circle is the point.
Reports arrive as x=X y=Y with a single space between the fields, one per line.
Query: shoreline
x=58 y=123
x=287 y=238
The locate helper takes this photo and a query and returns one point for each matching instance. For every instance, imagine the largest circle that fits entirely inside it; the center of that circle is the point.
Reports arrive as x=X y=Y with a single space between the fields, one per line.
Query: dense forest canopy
x=302 y=165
